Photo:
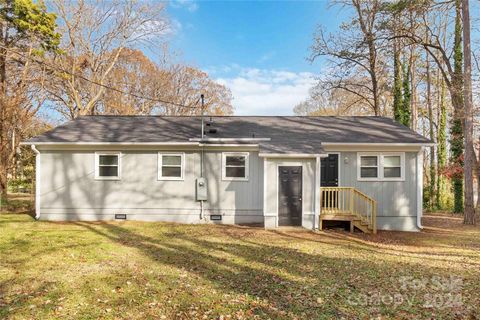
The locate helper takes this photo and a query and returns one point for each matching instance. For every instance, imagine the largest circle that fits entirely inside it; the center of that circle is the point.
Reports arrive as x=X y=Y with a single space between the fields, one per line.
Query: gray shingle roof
x=287 y=134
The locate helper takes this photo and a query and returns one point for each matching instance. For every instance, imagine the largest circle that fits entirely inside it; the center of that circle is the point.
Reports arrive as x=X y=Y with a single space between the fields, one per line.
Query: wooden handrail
x=350 y=201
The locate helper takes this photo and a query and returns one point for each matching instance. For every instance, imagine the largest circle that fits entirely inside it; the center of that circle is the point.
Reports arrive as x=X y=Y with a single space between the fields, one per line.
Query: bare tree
x=354 y=54
x=332 y=102
x=95 y=34
x=149 y=88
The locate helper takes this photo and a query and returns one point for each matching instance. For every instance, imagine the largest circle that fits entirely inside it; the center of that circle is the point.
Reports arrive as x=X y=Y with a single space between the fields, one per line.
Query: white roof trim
x=228 y=139
x=111 y=143
x=292 y=155
x=374 y=144
x=227 y=145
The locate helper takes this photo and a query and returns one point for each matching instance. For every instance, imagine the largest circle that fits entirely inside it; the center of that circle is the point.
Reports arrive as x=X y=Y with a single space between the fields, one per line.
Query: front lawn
x=133 y=270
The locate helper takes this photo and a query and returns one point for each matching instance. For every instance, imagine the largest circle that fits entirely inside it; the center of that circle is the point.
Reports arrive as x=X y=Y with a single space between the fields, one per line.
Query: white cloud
x=159 y=28
x=268 y=92
x=190 y=5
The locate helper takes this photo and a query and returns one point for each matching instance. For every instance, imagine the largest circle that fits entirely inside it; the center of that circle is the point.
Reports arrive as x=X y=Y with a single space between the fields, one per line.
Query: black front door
x=290 y=196
x=329 y=178
x=329 y=171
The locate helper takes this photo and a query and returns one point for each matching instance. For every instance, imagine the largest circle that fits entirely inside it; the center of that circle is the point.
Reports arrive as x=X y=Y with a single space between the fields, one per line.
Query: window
x=369 y=166
x=392 y=167
x=170 y=166
x=107 y=165
x=381 y=167
x=235 y=166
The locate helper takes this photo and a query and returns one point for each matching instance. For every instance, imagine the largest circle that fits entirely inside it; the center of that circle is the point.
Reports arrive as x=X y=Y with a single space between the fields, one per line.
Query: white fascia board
x=228 y=145
x=110 y=143
x=373 y=144
x=227 y=139
x=291 y=155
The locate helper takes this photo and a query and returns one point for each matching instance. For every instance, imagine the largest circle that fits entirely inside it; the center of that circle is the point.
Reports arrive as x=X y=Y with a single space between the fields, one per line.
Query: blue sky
x=257 y=48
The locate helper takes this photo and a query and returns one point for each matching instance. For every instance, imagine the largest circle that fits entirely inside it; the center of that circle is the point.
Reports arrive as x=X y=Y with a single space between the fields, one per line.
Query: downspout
x=202 y=97
x=317 y=206
x=37 y=181
x=202 y=159
x=419 y=188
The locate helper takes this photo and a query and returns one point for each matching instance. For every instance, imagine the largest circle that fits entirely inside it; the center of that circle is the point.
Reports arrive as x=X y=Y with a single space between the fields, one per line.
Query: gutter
x=381 y=144
x=110 y=143
x=229 y=139
x=37 y=181
x=292 y=155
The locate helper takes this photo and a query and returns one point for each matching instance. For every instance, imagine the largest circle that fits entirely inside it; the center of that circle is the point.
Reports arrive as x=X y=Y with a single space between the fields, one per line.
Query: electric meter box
x=201 y=189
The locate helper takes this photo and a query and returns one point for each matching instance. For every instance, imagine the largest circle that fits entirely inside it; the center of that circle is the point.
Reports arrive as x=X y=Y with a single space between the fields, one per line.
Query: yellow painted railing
x=349 y=201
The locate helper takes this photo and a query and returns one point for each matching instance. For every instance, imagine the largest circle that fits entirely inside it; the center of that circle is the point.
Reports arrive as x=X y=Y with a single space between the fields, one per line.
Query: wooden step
x=339 y=217
x=361 y=226
x=355 y=221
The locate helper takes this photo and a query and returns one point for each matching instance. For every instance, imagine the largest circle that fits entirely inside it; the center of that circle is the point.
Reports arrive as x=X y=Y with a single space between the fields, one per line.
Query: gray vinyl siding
x=69 y=190
x=397 y=200
x=308 y=190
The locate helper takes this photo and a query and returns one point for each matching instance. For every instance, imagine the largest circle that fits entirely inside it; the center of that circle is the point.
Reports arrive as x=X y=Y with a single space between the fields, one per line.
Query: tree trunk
x=397 y=82
x=413 y=91
x=3 y=127
x=406 y=111
x=442 y=148
x=3 y=181
x=433 y=199
x=469 y=216
x=456 y=132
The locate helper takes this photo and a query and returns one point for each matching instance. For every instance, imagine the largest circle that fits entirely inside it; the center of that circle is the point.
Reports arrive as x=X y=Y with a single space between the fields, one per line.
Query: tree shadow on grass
x=289 y=280
x=273 y=274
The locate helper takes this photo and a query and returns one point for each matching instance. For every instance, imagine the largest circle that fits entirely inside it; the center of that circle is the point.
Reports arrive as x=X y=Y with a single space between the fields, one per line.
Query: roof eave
x=380 y=144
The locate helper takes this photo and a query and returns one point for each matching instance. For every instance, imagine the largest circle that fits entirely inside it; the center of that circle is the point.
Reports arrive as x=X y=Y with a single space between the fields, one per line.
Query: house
x=275 y=171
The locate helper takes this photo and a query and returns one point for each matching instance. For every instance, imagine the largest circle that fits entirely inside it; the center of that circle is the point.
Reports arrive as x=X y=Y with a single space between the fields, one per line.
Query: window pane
x=108 y=159
x=369 y=161
x=393 y=172
x=235 y=160
x=171 y=160
x=172 y=172
x=368 y=172
x=391 y=161
x=235 y=172
x=108 y=171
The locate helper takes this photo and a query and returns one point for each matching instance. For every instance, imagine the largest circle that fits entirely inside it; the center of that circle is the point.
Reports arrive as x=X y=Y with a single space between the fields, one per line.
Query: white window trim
x=182 y=164
x=97 y=165
x=224 y=165
x=380 y=156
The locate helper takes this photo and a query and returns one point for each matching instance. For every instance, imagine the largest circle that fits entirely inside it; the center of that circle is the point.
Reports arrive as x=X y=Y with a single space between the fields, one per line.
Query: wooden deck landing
x=348 y=204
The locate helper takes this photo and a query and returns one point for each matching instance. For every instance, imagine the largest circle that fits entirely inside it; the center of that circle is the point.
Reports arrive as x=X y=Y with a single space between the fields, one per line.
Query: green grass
x=133 y=270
